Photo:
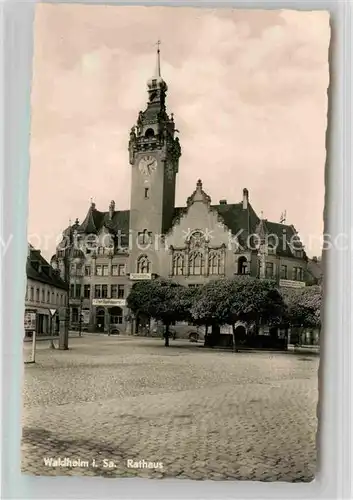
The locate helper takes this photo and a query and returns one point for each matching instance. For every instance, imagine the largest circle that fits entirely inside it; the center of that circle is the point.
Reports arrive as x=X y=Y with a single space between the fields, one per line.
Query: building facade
x=190 y=244
x=46 y=295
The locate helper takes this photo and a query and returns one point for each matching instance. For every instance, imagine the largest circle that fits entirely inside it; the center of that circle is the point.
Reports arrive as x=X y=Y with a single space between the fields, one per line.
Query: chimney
x=245 y=198
x=223 y=202
x=111 y=209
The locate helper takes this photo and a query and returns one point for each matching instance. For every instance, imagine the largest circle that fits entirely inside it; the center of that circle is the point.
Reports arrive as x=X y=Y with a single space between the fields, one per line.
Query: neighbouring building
x=190 y=244
x=46 y=294
x=315 y=271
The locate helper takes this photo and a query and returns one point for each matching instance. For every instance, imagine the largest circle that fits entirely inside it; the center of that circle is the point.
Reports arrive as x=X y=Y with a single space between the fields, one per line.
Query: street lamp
x=80 y=328
x=65 y=320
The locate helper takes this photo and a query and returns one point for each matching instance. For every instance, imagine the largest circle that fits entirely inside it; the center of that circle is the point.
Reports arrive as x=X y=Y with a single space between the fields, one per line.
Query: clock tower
x=154 y=154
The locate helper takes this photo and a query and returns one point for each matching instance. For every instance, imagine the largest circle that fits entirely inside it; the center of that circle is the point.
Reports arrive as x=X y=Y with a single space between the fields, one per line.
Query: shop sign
x=140 y=276
x=30 y=320
x=291 y=284
x=109 y=302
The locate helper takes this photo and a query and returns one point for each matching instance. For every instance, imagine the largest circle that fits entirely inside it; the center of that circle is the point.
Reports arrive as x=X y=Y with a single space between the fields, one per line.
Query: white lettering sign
x=109 y=302
x=140 y=276
x=291 y=284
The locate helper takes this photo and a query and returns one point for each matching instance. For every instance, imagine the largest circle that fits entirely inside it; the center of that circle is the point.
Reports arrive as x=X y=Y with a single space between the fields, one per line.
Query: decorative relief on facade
x=197 y=258
x=143 y=264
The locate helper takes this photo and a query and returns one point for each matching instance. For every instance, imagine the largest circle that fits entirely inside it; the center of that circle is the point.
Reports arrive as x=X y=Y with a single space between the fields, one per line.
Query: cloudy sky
x=248 y=90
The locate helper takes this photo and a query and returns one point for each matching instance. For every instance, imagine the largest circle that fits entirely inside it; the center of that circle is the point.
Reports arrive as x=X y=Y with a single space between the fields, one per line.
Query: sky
x=248 y=89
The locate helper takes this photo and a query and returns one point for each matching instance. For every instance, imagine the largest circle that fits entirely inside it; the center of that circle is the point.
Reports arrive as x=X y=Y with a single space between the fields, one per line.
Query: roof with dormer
x=38 y=269
x=241 y=222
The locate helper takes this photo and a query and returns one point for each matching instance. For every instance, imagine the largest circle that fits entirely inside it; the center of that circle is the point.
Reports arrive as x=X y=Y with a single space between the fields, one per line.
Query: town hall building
x=110 y=250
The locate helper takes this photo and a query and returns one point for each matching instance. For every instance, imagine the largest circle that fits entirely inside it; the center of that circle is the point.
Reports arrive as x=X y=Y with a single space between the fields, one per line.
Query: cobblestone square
x=202 y=413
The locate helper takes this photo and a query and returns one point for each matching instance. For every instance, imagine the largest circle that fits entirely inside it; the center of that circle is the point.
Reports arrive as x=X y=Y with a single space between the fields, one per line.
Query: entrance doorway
x=100 y=320
x=115 y=319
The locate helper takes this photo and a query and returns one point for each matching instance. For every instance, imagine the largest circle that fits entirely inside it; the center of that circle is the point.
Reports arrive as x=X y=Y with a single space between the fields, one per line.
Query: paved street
x=204 y=414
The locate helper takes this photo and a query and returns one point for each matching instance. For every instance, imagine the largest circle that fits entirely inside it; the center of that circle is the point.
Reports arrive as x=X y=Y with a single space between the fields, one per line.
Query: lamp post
x=80 y=319
x=65 y=319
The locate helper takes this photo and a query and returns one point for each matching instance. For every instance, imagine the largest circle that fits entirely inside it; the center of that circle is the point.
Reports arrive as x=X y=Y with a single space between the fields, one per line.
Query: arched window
x=242 y=265
x=215 y=264
x=178 y=264
x=196 y=263
x=149 y=133
x=143 y=264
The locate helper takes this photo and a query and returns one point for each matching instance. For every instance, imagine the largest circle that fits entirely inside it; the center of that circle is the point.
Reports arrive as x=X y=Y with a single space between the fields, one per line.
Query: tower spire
x=158 y=66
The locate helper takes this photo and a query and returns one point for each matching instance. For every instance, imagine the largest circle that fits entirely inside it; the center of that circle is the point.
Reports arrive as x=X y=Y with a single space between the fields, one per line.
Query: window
x=99 y=270
x=146 y=192
x=52 y=297
x=87 y=291
x=74 y=315
x=48 y=296
x=105 y=270
x=114 y=291
x=97 y=292
x=62 y=299
x=100 y=250
x=121 y=291
x=215 y=266
x=118 y=270
x=145 y=237
x=31 y=296
x=298 y=253
x=37 y=294
x=269 y=270
x=196 y=263
x=284 y=272
x=143 y=265
x=78 y=269
x=298 y=274
x=178 y=264
x=150 y=132
x=104 y=291
x=43 y=295
x=271 y=245
x=242 y=265
x=87 y=270
x=78 y=291
x=57 y=298
x=72 y=291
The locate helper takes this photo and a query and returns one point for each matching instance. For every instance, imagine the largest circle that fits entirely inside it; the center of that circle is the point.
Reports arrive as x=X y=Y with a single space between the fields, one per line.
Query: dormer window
x=271 y=245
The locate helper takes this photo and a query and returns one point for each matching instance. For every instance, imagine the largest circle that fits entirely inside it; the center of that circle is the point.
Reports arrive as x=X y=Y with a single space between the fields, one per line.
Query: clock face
x=147 y=164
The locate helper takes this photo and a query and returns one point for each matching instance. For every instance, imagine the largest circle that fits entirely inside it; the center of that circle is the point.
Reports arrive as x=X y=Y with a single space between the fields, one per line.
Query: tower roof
x=157 y=82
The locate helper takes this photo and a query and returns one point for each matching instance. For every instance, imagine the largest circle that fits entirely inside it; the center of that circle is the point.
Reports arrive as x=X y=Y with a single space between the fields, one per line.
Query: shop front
x=37 y=320
x=109 y=316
